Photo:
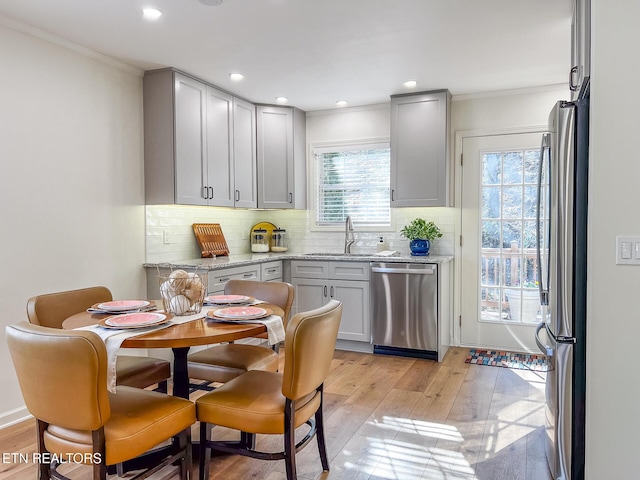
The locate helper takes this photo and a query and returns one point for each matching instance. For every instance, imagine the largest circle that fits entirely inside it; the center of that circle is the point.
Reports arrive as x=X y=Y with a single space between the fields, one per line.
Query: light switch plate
x=627 y=250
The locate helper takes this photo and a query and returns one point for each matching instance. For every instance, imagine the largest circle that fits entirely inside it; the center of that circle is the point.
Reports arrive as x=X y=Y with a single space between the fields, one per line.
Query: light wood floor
x=393 y=418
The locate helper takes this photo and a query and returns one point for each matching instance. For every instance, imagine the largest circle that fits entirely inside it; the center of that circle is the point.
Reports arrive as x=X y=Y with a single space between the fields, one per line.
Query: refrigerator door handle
x=542 y=286
x=544 y=348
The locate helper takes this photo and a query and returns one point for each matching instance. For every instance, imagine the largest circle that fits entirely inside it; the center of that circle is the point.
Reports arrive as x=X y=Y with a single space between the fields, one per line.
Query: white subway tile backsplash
x=236 y=225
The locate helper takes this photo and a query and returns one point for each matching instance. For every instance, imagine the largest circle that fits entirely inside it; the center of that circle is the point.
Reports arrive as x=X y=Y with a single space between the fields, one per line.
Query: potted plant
x=524 y=303
x=420 y=234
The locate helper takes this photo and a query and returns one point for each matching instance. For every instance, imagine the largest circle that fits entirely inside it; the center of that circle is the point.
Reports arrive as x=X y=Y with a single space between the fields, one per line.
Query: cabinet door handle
x=226 y=279
x=272 y=270
x=325 y=290
x=573 y=72
x=237 y=195
x=205 y=192
x=290 y=197
x=249 y=275
x=331 y=294
x=393 y=195
x=211 y=195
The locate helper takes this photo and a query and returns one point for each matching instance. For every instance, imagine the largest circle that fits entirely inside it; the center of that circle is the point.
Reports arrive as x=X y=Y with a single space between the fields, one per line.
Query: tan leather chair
x=63 y=379
x=277 y=403
x=50 y=310
x=221 y=363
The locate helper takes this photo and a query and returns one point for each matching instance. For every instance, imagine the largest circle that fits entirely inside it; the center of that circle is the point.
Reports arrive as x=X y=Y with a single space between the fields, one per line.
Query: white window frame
x=313 y=185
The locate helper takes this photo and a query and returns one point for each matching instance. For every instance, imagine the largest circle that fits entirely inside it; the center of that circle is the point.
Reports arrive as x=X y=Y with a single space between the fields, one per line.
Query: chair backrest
x=309 y=345
x=62 y=374
x=51 y=309
x=275 y=293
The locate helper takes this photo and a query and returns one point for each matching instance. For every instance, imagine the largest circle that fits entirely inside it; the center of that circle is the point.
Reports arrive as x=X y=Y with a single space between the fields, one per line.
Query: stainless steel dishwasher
x=404 y=302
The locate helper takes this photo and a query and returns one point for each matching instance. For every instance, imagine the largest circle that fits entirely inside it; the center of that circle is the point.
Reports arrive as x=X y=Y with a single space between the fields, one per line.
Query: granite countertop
x=253 y=258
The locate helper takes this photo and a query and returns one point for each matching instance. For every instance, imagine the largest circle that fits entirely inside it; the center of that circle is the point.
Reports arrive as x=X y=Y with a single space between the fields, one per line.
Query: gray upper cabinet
x=218 y=168
x=244 y=154
x=420 y=130
x=281 y=139
x=199 y=143
x=580 y=47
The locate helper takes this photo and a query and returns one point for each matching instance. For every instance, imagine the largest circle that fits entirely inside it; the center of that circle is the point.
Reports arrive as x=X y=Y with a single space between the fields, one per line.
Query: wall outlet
x=166 y=237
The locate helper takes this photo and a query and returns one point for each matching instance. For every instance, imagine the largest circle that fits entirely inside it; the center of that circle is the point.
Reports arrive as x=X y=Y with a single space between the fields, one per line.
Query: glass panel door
x=499 y=301
x=508 y=254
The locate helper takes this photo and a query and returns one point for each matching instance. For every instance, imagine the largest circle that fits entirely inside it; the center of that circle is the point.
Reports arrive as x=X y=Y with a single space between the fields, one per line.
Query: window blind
x=353 y=180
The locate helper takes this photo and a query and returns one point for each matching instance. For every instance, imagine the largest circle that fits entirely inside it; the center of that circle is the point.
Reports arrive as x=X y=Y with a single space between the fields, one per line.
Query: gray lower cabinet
x=281 y=157
x=216 y=279
x=271 y=271
x=316 y=282
x=199 y=143
x=420 y=131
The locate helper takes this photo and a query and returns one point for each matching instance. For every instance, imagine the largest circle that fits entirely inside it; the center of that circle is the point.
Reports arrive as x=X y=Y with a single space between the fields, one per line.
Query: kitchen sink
x=336 y=254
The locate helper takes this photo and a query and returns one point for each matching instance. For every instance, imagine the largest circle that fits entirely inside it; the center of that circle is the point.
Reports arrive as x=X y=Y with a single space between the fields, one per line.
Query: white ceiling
x=316 y=52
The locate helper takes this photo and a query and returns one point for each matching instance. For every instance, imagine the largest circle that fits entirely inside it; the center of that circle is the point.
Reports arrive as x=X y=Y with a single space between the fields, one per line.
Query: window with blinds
x=353 y=180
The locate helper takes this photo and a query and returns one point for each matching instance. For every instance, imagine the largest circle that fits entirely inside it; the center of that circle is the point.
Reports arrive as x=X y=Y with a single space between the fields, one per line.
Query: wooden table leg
x=180 y=372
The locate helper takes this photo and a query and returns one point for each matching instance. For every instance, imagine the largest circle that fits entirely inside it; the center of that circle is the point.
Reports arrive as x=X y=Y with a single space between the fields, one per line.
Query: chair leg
x=184 y=439
x=290 y=440
x=248 y=440
x=322 y=446
x=98 y=440
x=163 y=386
x=44 y=468
x=204 y=451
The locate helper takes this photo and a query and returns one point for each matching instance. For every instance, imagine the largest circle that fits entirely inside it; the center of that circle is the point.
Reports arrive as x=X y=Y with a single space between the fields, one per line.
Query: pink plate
x=131 y=320
x=123 y=305
x=227 y=299
x=240 y=312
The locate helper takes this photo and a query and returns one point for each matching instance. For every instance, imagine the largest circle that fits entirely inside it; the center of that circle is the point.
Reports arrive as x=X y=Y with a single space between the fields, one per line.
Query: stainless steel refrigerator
x=562 y=262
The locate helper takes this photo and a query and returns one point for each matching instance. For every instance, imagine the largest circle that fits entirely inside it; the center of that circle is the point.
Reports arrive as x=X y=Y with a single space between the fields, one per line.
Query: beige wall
x=613 y=388
x=71 y=187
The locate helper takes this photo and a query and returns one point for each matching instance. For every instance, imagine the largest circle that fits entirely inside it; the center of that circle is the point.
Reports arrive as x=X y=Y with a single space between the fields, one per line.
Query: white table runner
x=113 y=339
x=275 y=327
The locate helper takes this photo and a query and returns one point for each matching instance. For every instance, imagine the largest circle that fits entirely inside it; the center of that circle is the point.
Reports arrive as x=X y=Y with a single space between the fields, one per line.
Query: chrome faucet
x=349 y=238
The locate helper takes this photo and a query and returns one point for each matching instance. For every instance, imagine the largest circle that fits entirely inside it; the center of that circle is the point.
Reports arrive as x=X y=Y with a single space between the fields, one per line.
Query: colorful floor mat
x=539 y=363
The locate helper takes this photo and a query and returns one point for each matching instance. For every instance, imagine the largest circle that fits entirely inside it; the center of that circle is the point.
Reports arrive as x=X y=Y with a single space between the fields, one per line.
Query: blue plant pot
x=419 y=247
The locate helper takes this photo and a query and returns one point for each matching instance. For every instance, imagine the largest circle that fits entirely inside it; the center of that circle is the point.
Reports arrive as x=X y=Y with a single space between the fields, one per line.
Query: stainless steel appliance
x=562 y=261
x=404 y=302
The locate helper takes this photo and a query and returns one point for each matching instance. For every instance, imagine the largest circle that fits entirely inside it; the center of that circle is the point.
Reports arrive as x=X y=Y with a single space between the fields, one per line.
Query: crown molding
x=61 y=42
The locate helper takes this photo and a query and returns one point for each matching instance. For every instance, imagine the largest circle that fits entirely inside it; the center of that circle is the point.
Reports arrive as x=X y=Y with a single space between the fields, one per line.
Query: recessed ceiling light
x=341 y=103
x=282 y=99
x=236 y=77
x=151 y=13
x=211 y=3
x=410 y=83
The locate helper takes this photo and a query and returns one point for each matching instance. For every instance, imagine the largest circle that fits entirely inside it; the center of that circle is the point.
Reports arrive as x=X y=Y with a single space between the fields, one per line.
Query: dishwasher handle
x=413 y=271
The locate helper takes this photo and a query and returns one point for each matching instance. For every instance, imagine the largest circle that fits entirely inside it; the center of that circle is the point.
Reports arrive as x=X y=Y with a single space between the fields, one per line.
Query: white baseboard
x=14 y=416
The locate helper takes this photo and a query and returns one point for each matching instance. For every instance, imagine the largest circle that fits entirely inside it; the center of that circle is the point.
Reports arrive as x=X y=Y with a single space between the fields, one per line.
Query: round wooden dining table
x=181 y=337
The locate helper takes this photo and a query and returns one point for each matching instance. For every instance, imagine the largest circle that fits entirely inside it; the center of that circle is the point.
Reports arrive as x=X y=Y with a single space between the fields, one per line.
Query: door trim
x=459 y=137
